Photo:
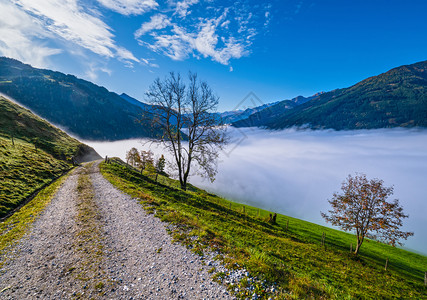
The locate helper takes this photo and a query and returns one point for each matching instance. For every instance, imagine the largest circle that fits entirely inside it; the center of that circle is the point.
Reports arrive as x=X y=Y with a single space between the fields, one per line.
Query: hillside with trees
x=397 y=98
x=84 y=109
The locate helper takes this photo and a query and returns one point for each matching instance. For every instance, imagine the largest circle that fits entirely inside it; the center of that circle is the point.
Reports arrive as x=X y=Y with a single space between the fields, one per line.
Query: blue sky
x=276 y=49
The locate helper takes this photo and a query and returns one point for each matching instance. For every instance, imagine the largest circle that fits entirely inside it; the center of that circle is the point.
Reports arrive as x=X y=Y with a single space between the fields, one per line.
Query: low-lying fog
x=295 y=172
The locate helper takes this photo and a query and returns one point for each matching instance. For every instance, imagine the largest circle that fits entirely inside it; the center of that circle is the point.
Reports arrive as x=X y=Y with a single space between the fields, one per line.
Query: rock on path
x=132 y=264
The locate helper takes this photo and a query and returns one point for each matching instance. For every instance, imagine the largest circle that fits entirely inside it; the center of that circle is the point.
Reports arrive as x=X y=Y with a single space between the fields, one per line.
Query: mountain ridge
x=85 y=109
x=396 y=98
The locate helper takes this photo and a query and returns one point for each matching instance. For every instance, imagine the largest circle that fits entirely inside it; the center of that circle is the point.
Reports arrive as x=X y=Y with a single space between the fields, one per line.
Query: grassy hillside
x=23 y=170
x=37 y=154
x=285 y=260
x=87 y=110
x=397 y=98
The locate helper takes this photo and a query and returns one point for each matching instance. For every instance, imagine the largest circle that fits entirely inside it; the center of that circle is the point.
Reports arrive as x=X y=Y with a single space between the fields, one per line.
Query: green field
x=32 y=154
x=290 y=259
x=24 y=170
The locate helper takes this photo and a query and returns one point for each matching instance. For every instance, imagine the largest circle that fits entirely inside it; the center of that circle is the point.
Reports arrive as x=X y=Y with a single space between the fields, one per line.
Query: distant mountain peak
x=396 y=98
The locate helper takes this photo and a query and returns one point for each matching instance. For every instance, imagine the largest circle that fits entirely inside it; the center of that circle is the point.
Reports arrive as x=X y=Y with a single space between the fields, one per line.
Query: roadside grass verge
x=89 y=239
x=13 y=228
x=23 y=170
x=288 y=256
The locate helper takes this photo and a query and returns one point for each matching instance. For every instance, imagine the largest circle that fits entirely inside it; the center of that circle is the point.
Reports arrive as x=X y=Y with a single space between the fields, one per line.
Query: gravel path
x=133 y=241
x=139 y=260
x=42 y=259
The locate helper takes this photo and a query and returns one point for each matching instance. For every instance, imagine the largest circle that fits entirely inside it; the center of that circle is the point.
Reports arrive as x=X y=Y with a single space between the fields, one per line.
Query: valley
x=101 y=228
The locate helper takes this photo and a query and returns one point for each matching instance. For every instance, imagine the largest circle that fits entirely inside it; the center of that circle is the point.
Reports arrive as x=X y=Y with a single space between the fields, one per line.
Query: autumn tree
x=362 y=207
x=178 y=107
x=146 y=159
x=132 y=157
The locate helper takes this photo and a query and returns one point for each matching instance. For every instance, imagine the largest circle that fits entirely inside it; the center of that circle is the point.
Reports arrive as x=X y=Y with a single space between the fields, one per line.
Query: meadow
x=24 y=170
x=288 y=256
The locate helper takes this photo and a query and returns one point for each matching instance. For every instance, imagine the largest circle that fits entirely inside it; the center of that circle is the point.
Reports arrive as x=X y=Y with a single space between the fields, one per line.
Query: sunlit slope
x=32 y=154
x=397 y=98
x=287 y=255
x=86 y=110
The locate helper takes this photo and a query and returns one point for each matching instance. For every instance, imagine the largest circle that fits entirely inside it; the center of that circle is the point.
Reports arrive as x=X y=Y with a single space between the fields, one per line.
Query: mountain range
x=84 y=109
x=397 y=98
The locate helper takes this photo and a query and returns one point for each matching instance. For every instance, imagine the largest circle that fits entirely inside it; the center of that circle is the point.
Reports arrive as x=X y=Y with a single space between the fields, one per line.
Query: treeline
x=397 y=98
x=144 y=161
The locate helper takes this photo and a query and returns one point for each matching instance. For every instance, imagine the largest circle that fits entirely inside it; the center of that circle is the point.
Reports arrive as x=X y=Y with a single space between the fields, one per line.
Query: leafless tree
x=179 y=107
x=363 y=208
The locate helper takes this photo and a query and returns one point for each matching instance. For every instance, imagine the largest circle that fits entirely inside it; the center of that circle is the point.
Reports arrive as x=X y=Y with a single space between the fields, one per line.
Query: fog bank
x=295 y=172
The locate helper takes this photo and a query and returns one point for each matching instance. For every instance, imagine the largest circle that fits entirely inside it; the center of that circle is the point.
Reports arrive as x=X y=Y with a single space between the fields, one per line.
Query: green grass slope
x=288 y=255
x=38 y=154
x=397 y=98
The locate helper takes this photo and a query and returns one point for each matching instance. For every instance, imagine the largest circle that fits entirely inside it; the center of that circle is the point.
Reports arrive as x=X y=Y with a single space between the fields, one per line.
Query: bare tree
x=363 y=208
x=179 y=106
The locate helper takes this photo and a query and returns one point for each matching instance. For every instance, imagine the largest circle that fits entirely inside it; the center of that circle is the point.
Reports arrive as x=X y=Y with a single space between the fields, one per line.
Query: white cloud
x=129 y=7
x=27 y=26
x=267 y=16
x=294 y=172
x=93 y=69
x=125 y=55
x=183 y=6
x=297 y=171
x=205 y=40
x=219 y=33
x=225 y=24
x=158 y=21
x=147 y=62
x=176 y=46
x=21 y=37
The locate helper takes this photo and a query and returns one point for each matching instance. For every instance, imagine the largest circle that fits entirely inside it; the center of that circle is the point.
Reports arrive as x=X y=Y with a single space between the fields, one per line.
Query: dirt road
x=94 y=242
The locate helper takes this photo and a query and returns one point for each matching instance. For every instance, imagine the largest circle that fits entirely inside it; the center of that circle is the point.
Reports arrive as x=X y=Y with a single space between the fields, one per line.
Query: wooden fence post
x=287 y=224
x=258 y=213
x=243 y=209
x=386 y=264
x=324 y=240
x=13 y=142
x=425 y=278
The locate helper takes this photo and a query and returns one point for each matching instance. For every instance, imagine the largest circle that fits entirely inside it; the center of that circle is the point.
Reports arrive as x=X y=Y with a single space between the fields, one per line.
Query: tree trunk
x=359 y=243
